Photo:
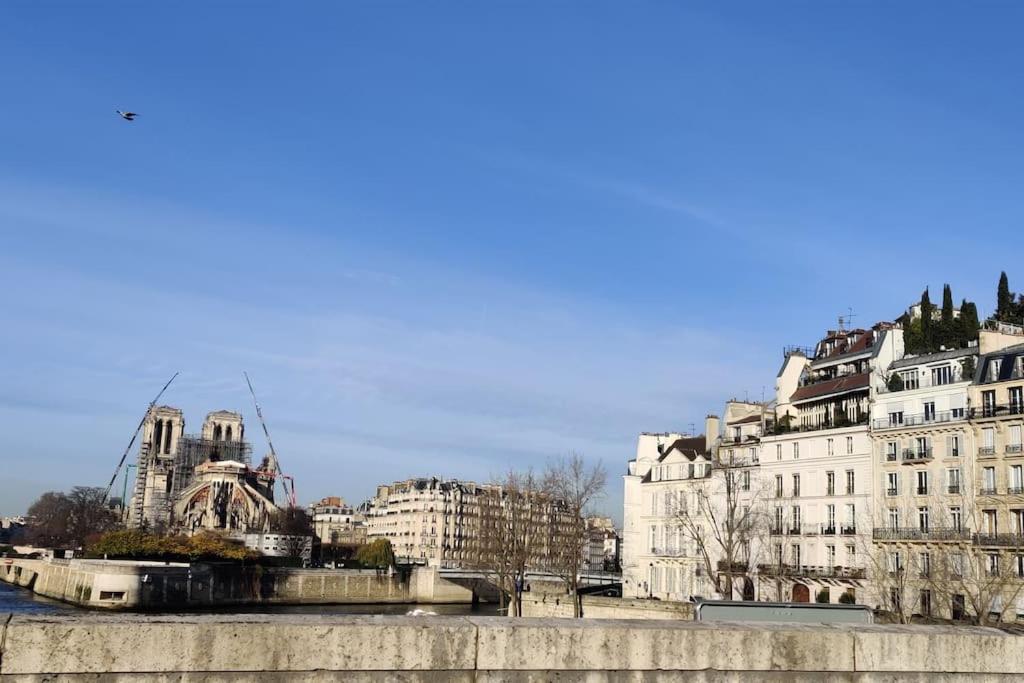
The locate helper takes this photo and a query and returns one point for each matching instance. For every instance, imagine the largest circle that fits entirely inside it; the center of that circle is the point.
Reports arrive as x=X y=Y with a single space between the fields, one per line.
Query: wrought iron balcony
x=811 y=571
x=914 y=455
x=987 y=491
x=918 y=534
x=848 y=530
x=1015 y=490
x=986 y=451
x=1016 y=539
x=1014 y=448
x=953 y=488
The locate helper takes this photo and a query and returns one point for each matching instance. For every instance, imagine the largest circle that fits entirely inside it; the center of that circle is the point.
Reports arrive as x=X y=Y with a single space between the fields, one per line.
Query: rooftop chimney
x=711 y=426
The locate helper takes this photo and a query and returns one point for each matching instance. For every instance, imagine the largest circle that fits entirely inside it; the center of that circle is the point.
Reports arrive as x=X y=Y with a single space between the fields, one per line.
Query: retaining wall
x=156 y=585
x=602 y=607
x=287 y=647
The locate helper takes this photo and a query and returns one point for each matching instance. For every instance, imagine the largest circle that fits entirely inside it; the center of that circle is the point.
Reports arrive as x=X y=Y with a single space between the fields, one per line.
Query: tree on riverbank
x=70 y=519
x=139 y=545
x=377 y=554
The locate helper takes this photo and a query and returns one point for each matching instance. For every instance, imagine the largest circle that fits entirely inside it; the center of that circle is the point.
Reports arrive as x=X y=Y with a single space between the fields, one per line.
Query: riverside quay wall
x=109 y=584
x=601 y=607
x=131 y=647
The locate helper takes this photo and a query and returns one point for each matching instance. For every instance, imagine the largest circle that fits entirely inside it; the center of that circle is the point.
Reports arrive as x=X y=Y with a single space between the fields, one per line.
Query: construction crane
x=287 y=482
x=124 y=456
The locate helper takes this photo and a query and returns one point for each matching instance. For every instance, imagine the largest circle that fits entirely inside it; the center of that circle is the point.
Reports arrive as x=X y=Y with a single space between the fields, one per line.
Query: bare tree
x=71 y=518
x=723 y=516
x=571 y=487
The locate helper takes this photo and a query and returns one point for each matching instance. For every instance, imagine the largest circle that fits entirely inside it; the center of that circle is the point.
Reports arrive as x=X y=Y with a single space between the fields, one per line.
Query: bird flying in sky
x=127 y=115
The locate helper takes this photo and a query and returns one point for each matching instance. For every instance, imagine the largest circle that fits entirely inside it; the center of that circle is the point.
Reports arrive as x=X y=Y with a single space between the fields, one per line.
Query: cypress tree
x=969 y=324
x=948 y=334
x=927 y=329
x=1004 y=299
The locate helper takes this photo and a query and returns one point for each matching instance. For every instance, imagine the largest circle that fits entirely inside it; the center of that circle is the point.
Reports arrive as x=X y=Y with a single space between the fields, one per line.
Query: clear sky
x=452 y=238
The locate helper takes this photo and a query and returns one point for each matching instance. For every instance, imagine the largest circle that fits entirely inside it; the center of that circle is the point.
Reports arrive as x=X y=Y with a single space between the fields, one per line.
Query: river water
x=23 y=601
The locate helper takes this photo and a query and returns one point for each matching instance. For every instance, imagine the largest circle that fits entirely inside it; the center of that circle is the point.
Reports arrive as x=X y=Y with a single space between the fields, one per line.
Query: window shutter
x=949 y=446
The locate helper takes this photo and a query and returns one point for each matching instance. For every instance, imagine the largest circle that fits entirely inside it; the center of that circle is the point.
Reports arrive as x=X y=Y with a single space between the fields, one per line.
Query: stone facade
x=190 y=483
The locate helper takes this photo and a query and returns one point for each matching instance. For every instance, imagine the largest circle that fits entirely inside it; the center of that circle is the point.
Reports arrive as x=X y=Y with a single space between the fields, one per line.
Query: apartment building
x=335 y=523
x=658 y=560
x=817 y=461
x=427 y=520
x=997 y=513
x=923 y=458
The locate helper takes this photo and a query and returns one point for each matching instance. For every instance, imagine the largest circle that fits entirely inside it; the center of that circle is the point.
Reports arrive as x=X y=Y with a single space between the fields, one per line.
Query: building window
x=851 y=556
x=796 y=485
x=953 y=480
x=796 y=451
x=922 y=482
x=988 y=481
x=929 y=411
x=1016 y=399
x=988 y=403
x=954 y=446
x=993 y=564
x=925 y=602
x=942 y=375
x=925 y=562
x=910 y=380
x=891 y=448
x=1016 y=480
x=830 y=515
x=830 y=555
x=849 y=445
x=956 y=518
x=895 y=562
x=895 y=418
x=894 y=518
x=795 y=548
x=991 y=522
x=850 y=488
x=778 y=486
x=830 y=483
x=892 y=484
x=922 y=519
x=745 y=479
x=778 y=451
x=831 y=447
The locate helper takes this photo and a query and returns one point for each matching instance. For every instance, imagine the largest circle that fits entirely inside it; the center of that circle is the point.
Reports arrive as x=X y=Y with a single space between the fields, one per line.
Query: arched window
x=158 y=432
x=227 y=433
x=216 y=432
x=168 y=427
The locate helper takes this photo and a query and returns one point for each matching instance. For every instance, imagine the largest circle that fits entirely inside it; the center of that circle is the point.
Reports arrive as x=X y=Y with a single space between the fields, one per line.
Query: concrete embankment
x=126 y=647
x=601 y=607
x=161 y=586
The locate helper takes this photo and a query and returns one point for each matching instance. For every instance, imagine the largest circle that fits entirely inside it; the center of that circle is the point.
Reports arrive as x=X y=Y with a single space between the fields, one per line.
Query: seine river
x=22 y=601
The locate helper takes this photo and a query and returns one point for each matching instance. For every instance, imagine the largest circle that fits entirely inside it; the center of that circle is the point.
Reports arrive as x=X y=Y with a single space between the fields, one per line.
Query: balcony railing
x=925 y=383
x=913 y=455
x=793 y=530
x=918 y=419
x=1015 y=490
x=922 y=490
x=987 y=491
x=953 y=488
x=986 y=451
x=811 y=571
x=918 y=534
x=998 y=410
x=848 y=530
x=891 y=492
x=999 y=539
x=828 y=529
x=733 y=568
x=1014 y=448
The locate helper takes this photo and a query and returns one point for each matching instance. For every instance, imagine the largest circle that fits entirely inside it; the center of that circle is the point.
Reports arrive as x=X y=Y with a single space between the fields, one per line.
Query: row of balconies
x=824 y=529
x=997 y=410
x=947 y=534
x=1009 y=449
x=812 y=571
x=918 y=419
x=951 y=489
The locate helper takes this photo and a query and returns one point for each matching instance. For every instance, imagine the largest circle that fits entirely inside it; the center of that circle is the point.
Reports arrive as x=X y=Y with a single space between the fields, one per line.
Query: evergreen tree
x=969 y=324
x=927 y=328
x=949 y=335
x=1004 y=299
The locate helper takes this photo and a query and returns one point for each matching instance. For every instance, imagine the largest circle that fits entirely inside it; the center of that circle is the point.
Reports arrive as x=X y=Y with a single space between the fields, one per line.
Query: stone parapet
x=289 y=647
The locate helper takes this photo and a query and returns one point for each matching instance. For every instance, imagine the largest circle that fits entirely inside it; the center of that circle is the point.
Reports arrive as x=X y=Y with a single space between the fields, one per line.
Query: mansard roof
x=690 y=447
x=838 y=385
x=937 y=357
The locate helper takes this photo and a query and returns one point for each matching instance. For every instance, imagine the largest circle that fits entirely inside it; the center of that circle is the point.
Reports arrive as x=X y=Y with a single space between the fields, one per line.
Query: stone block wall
x=125 y=647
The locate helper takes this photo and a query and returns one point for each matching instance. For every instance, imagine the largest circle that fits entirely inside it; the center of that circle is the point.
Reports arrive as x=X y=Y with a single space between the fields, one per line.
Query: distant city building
x=281 y=545
x=603 y=544
x=337 y=523
x=429 y=520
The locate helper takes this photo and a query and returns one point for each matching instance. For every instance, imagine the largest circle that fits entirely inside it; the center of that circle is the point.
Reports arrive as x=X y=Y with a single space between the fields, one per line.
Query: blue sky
x=452 y=238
